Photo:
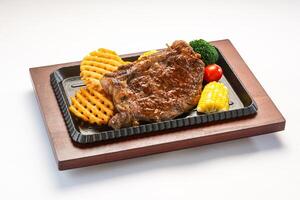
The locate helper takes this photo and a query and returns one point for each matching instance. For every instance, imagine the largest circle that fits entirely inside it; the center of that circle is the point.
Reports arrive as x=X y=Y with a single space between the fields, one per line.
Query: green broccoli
x=208 y=53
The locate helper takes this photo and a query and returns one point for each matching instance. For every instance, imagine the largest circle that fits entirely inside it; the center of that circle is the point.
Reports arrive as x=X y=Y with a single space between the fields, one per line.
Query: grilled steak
x=157 y=87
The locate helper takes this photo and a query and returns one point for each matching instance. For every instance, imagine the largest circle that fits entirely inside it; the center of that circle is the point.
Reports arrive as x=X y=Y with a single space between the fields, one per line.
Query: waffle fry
x=92 y=106
x=97 y=64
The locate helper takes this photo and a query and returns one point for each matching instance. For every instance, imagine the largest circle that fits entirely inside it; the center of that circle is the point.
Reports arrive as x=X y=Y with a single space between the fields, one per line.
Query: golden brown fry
x=92 y=106
x=97 y=64
x=90 y=103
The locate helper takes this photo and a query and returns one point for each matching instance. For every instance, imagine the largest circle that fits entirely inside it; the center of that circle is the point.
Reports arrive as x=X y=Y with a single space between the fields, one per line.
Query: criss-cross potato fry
x=97 y=64
x=90 y=103
x=92 y=106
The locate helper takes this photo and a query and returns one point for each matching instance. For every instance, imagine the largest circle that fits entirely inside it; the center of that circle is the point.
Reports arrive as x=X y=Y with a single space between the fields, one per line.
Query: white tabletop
x=35 y=33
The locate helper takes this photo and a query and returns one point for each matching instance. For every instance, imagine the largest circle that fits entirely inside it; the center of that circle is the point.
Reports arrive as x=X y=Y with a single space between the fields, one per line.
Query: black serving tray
x=66 y=81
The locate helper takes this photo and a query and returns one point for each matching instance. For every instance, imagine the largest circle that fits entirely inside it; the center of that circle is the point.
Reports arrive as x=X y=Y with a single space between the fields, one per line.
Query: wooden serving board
x=72 y=155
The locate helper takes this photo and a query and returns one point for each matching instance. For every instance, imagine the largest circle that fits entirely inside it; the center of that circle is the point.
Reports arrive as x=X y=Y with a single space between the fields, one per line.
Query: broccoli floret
x=208 y=53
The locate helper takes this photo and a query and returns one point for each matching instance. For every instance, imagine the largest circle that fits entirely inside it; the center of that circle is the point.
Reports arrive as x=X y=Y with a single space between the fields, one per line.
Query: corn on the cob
x=214 y=98
x=148 y=53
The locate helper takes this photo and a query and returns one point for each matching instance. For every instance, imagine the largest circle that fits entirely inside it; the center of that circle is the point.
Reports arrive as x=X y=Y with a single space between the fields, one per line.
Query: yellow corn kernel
x=214 y=98
x=148 y=53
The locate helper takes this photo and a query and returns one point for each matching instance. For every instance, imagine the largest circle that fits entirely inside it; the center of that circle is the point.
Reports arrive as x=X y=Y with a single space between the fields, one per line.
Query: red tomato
x=212 y=73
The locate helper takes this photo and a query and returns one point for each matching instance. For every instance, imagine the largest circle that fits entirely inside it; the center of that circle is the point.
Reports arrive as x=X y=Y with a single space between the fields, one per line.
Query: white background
x=36 y=33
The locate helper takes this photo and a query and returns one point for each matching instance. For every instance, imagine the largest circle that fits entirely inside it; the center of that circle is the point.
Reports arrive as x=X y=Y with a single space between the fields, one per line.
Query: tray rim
x=167 y=125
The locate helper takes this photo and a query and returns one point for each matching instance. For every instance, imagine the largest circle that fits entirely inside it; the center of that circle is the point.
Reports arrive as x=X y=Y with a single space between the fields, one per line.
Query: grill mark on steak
x=157 y=87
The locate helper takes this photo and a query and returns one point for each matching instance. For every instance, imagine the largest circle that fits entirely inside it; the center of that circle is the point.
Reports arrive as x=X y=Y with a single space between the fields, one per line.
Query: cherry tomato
x=212 y=73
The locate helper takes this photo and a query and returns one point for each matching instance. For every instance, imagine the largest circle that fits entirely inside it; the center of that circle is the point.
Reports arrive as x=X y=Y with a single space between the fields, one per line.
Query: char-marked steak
x=156 y=88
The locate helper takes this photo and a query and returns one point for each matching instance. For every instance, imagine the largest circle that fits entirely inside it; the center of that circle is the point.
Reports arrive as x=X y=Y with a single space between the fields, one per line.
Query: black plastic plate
x=66 y=81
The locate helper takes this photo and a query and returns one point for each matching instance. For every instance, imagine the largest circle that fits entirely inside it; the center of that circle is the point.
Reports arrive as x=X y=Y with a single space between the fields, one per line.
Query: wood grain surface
x=72 y=155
